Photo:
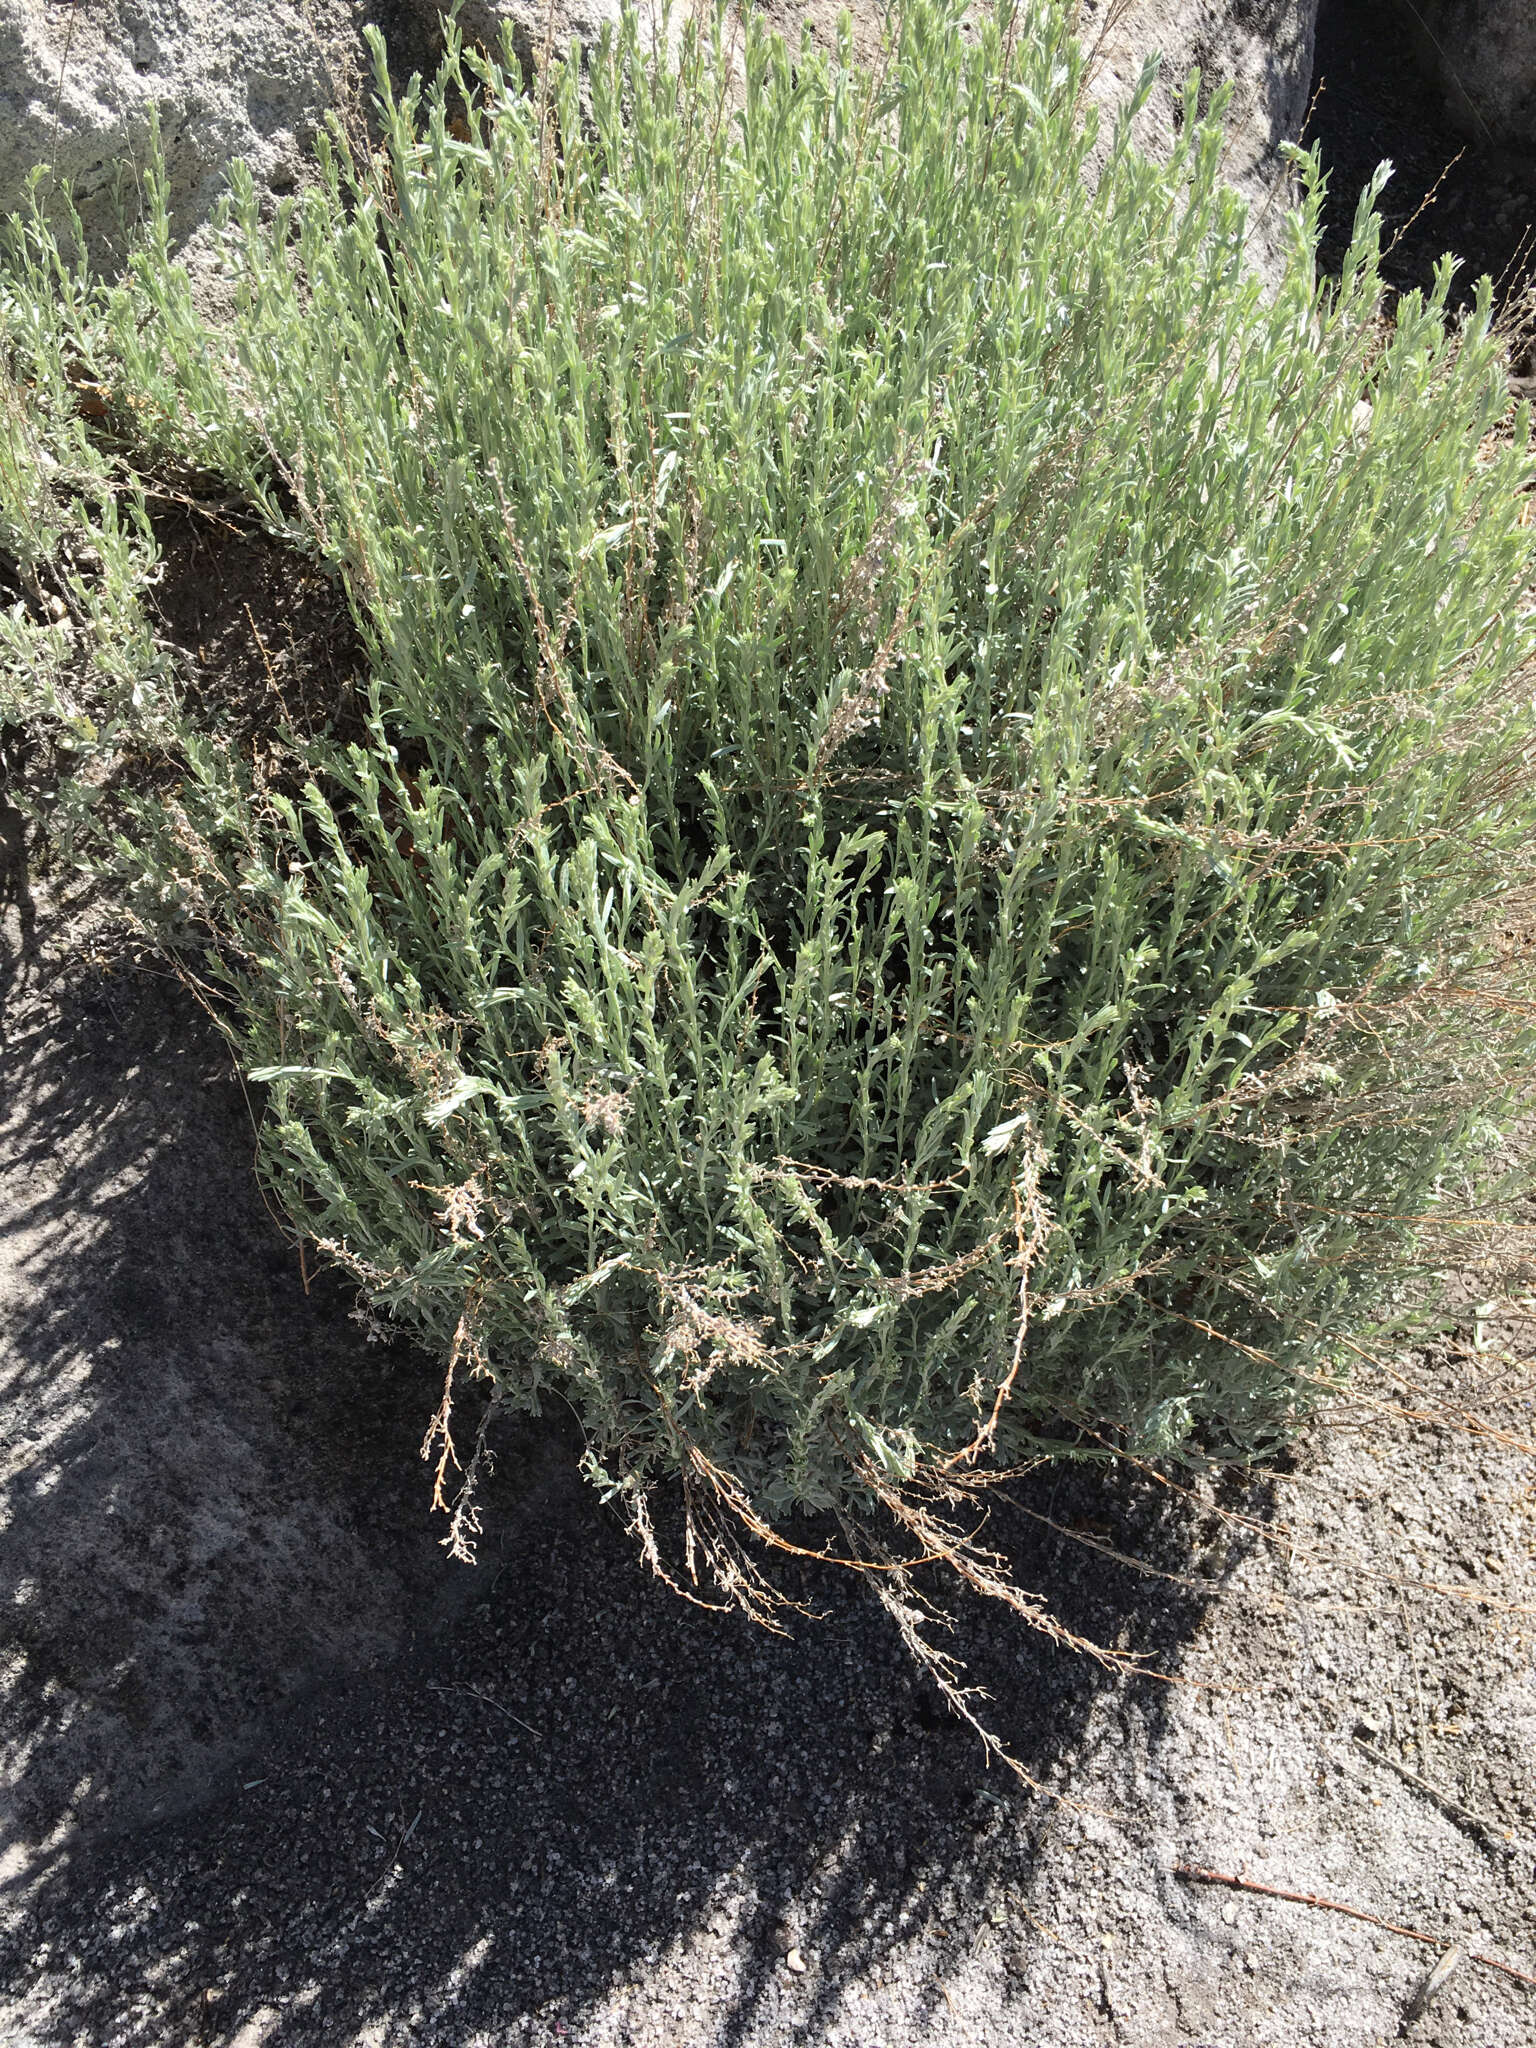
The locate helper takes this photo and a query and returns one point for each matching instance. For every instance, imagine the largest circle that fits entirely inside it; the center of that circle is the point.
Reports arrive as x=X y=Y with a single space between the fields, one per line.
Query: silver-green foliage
x=931 y=755
x=74 y=532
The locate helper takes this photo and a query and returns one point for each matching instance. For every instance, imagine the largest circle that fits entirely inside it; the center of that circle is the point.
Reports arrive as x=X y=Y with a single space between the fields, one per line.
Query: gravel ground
x=281 y=1774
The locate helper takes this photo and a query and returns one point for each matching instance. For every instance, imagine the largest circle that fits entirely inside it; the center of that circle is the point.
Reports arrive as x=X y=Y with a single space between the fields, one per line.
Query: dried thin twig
x=475 y=1694
x=393 y=1857
x=1443 y=1799
x=1196 y=1873
x=69 y=43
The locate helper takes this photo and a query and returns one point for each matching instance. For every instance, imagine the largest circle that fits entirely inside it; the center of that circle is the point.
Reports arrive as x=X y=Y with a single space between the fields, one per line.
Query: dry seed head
x=605 y=1110
x=696 y=1333
x=461 y=1208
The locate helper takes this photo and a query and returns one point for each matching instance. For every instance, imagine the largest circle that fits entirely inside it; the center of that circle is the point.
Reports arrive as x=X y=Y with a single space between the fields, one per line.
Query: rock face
x=1483 y=52
x=1261 y=49
x=483 y=21
x=78 y=79
x=77 y=83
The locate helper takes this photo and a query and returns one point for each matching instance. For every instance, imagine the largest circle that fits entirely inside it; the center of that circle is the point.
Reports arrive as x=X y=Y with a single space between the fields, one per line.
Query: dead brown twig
x=1500 y=1836
x=69 y=43
x=1196 y=1873
x=474 y=1693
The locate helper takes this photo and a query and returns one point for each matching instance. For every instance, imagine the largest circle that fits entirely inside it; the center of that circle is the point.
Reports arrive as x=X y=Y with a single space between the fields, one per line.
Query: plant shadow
x=275 y=1757
x=209 y=1493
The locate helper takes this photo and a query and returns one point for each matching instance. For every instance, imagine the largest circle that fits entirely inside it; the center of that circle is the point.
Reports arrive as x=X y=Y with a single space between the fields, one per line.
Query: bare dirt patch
x=265 y=637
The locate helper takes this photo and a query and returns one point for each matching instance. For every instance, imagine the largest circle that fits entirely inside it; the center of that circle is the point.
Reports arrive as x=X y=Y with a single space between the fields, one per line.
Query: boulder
x=1261 y=49
x=78 y=79
x=485 y=21
x=1483 y=54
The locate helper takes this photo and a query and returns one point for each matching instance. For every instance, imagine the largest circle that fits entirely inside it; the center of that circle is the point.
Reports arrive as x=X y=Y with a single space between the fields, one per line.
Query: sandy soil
x=278 y=1773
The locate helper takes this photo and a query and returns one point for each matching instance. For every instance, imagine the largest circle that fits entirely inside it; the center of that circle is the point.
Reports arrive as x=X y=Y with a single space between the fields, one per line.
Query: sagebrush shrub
x=905 y=892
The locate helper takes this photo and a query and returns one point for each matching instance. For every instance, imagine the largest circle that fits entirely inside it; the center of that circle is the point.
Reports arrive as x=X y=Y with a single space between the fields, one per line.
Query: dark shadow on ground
x=270 y=1750
x=1373 y=100
x=208 y=1488
x=581 y=1776
x=18 y=912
